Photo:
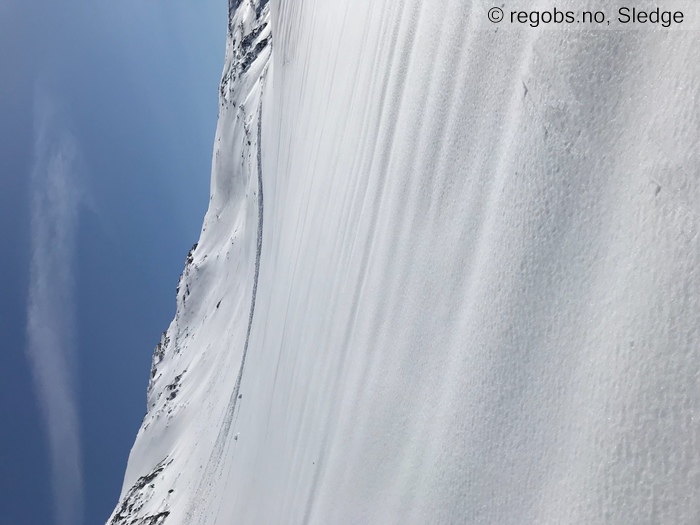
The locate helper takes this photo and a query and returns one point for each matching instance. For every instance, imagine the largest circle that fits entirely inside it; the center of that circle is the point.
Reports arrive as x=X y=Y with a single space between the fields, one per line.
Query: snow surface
x=469 y=295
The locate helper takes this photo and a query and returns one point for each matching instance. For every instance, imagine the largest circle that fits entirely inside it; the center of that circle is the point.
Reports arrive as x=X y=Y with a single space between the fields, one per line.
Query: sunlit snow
x=449 y=274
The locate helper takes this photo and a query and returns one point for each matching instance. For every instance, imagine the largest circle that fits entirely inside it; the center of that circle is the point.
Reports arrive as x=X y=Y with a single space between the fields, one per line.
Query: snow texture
x=475 y=298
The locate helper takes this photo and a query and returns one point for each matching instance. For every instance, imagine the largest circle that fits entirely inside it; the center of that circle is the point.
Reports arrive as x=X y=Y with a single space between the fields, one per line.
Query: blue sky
x=107 y=119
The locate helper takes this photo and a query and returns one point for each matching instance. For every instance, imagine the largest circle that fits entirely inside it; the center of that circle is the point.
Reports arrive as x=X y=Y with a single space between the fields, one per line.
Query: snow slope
x=469 y=295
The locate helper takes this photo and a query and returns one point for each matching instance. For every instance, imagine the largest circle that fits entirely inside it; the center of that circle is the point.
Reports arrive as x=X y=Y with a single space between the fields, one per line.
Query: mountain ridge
x=475 y=297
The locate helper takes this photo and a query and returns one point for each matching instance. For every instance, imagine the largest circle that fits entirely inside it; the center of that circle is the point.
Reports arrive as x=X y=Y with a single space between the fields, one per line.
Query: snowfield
x=448 y=274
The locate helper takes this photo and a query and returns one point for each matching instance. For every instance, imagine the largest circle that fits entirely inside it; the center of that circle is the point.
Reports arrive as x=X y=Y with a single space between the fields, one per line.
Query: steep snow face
x=469 y=295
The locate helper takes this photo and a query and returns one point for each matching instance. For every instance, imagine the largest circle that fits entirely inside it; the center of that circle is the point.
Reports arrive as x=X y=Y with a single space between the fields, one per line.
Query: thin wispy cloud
x=50 y=316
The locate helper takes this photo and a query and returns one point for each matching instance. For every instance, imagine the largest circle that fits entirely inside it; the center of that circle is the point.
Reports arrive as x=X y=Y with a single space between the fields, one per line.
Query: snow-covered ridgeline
x=477 y=294
x=177 y=456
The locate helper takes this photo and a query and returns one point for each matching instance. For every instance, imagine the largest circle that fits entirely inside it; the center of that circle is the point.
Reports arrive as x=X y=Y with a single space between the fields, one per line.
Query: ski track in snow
x=223 y=440
x=258 y=251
